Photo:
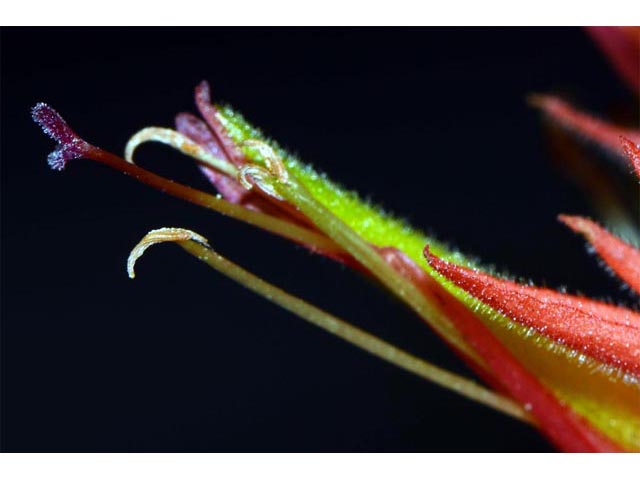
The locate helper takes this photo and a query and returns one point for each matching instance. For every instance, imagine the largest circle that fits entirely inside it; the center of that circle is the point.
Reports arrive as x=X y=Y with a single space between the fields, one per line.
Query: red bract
x=605 y=332
x=559 y=423
x=584 y=124
x=621 y=257
x=632 y=152
x=622 y=46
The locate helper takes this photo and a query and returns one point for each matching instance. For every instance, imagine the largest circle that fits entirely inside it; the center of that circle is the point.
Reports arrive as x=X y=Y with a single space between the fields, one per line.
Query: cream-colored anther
x=179 y=142
x=161 y=235
x=254 y=175
x=272 y=160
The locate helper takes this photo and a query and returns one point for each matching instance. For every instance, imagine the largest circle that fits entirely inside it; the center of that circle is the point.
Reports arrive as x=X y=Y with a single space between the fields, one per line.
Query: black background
x=431 y=122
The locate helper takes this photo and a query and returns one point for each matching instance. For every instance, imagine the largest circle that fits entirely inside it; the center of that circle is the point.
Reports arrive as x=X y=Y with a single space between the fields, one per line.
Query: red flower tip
x=198 y=131
x=210 y=114
x=560 y=423
x=607 y=333
x=70 y=145
x=579 y=225
x=622 y=47
x=621 y=257
x=632 y=151
x=564 y=114
x=203 y=92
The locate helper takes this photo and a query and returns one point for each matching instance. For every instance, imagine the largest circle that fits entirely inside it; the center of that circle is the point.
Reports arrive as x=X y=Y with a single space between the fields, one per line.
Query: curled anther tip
x=180 y=142
x=161 y=235
x=272 y=160
x=254 y=175
x=70 y=145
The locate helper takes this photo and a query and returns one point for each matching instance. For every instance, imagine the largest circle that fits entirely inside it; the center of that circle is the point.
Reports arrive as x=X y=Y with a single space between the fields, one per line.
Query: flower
x=567 y=364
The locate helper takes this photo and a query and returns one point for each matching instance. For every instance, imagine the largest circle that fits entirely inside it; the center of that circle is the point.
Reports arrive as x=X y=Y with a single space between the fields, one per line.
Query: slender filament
x=196 y=245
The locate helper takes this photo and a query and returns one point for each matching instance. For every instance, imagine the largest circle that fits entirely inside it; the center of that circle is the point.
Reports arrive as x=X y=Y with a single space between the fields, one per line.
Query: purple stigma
x=70 y=145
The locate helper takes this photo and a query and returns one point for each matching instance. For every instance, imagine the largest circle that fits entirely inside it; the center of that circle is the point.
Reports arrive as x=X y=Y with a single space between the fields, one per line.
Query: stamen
x=179 y=142
x=197 y=246
x=72 y=146
x=334 y=228
x=262 y=178
x=267 y=176
x=272 y=160
x=161 y=235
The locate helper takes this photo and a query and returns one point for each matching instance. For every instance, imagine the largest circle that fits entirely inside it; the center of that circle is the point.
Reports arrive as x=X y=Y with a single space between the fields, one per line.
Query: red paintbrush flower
x=606 y=334
x=564 y=363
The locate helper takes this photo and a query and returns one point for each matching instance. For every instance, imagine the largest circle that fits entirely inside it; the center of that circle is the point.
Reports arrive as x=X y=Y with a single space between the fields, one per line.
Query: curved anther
x=254 y=175
x=272 y=160
x=179 y=142
x=161 y=235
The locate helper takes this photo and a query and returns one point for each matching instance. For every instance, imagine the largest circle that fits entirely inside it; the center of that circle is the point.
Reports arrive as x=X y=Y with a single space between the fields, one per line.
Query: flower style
x=567 y=364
